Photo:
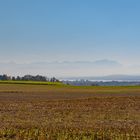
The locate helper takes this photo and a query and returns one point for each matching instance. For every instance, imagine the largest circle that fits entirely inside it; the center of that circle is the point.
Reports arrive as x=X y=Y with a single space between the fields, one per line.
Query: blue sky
x=70 y=30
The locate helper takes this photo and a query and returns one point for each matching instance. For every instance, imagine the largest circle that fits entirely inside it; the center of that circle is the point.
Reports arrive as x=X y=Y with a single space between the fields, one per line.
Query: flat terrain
x=47 y=112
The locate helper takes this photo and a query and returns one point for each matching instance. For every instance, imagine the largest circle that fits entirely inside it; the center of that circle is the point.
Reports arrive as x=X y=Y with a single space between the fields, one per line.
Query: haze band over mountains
x=65 y=69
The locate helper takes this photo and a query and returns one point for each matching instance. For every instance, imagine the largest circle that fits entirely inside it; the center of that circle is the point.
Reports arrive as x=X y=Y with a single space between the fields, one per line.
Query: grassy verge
x=30 y=82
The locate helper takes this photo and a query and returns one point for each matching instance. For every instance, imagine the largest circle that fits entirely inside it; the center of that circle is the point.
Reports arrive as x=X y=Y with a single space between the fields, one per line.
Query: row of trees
x=28 y=78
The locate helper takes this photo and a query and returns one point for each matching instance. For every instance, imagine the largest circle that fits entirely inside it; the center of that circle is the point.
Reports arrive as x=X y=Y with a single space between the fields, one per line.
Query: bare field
x=45 y=112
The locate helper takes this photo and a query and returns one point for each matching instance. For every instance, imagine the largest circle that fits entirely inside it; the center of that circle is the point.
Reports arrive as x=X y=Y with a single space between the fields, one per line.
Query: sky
x=33 y=31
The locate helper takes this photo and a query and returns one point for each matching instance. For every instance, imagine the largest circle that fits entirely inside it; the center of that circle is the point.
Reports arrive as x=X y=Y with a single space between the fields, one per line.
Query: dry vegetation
x=44 y=112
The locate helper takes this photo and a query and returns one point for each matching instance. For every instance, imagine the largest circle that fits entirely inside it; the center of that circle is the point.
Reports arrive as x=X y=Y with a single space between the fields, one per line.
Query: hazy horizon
x=64 y=69
x=70 y=38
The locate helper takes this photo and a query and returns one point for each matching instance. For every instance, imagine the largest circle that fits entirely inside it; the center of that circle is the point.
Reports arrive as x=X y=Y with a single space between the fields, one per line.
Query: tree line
x=28 y=78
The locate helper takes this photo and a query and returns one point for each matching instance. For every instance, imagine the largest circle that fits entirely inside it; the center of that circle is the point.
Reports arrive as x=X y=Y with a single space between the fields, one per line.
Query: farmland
x=35 y=111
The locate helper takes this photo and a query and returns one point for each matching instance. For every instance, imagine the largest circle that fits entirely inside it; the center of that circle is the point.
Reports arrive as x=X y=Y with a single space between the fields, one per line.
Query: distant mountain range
x=107 y=78
x=74 y=69
x=103 y=62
